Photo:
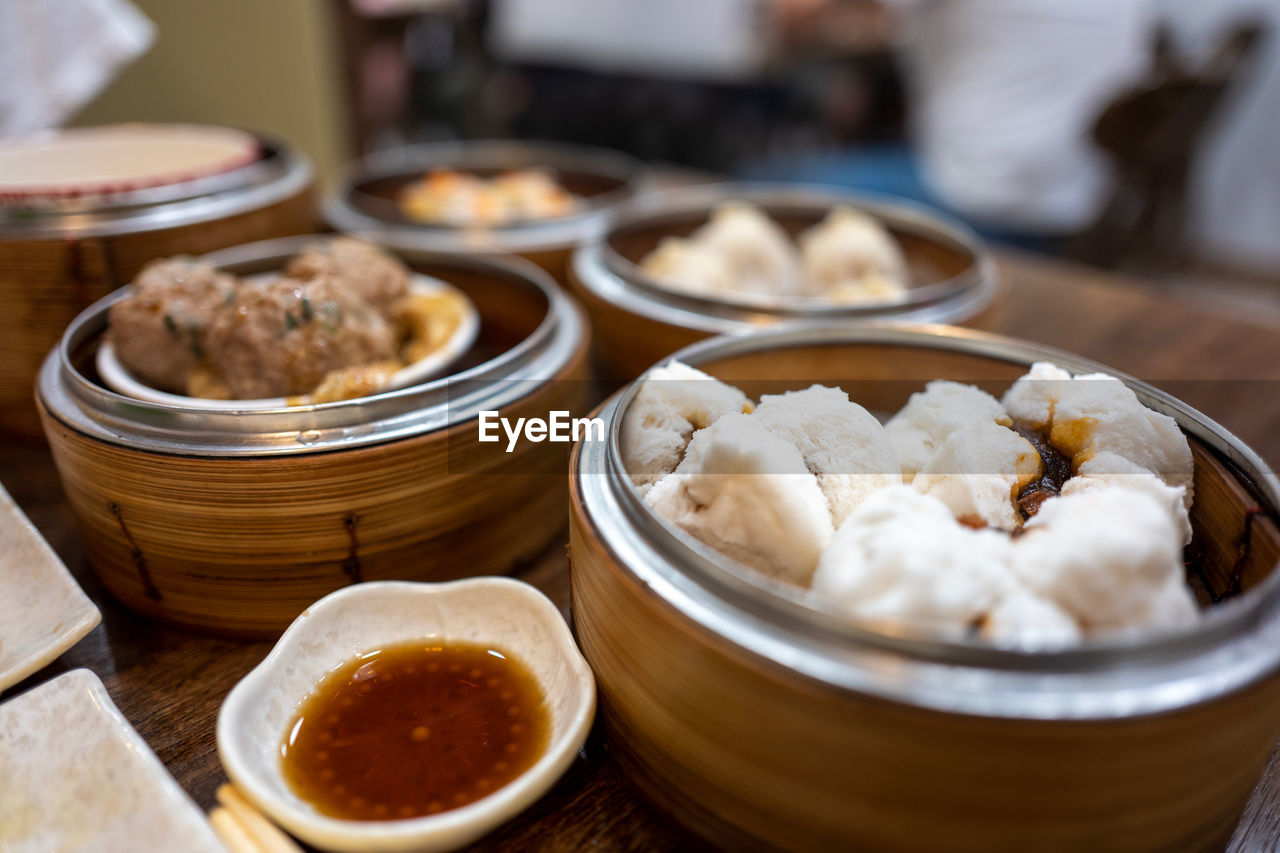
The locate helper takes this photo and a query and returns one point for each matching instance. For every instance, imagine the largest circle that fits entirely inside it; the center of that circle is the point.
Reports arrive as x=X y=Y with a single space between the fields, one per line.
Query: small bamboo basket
x=759 y=724
x=234 y=522
x=366 y=201
x=638 y=320
x=54 y=265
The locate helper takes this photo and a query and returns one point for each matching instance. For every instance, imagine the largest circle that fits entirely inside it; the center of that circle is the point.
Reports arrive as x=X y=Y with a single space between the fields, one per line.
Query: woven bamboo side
x=45 y=283
x=750 y=754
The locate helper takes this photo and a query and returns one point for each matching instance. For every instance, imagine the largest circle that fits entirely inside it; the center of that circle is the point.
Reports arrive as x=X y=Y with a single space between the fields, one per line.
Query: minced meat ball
x=159 y=331
x=281 y=337
x=375 y=276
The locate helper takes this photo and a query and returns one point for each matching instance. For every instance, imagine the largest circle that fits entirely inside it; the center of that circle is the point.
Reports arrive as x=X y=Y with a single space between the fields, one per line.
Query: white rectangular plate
x=43 y=611
x=75 y=776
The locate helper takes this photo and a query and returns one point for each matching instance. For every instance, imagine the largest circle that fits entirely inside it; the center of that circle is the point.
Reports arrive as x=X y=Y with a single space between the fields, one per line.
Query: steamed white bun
x=748 y=494
x=930 y=416
x=1111 y=557
x=1092 y=414
x=689 y=266
x=760 y=255
x=1107 y=470
x=954 y=445
x=672 y=402
x=842 y=443
x=851 y=256
x=902 y=557
x=1023 y=618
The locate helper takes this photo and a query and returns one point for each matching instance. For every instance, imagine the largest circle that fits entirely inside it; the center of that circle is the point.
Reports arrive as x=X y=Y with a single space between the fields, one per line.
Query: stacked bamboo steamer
x=81 y=211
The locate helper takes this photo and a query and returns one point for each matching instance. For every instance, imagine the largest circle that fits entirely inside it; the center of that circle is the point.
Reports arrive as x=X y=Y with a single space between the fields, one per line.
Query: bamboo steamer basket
x=365 y=201
x=234 y=522
x=638 y=320
x=55 y=262
x=761 y=723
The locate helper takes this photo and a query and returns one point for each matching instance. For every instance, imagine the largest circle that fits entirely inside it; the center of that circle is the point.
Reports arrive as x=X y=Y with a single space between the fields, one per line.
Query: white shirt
x=1235 y=187
x=1004 y=95
x=1006 y=92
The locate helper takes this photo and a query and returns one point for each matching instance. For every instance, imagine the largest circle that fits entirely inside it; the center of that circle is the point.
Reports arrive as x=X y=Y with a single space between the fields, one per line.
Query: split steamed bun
x=978 y=472
x=955 y=444
x=920 y=428
x=1103 y=561
x=842 y=443
x=1092 y=414
x=748 y=494
x=672 y=402
x=902 y=557
x=1107 y=470
x=1110 y=557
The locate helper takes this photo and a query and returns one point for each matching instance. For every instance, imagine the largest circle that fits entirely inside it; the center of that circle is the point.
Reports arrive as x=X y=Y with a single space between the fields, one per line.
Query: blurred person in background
x=1002 y=95
x=1233 y=215
x=1005 y=98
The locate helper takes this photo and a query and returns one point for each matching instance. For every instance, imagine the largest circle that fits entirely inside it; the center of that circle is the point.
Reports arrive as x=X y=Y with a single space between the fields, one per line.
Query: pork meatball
x=159 y=332
x=372 y=274
x=281 y=337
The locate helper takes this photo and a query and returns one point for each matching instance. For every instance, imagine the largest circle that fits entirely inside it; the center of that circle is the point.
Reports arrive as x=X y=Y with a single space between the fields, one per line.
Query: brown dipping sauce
x=414 y=730
x=1055 y=469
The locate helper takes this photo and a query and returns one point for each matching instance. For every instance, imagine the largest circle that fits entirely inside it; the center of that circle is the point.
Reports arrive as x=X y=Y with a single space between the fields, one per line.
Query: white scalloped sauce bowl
x=366 y=617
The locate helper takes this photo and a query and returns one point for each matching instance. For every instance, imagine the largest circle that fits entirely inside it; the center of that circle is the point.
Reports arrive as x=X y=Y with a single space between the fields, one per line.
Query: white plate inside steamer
x=74 y=775
x=114 y=159
x=119 y=379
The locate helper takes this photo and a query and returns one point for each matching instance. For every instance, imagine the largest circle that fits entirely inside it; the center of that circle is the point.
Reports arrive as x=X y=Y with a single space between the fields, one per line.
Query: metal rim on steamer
x=96 y=411
x=391 y=229
x=620 y=282
x=279 y=173
x=1234 y=644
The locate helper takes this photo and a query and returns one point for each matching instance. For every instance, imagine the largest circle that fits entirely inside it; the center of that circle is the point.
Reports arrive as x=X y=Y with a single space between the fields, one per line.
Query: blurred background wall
x=263 y=64
x=1126 y=133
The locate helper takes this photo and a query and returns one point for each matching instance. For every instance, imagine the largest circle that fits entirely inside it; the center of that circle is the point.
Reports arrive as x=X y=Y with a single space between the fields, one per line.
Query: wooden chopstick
x=244 y=829
x=233 y=835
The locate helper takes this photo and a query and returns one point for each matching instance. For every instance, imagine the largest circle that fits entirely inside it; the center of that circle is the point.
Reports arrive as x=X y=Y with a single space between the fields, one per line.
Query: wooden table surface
x=169 y=684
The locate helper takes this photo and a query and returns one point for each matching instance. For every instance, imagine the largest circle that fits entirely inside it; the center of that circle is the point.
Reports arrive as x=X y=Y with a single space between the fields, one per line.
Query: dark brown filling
x=1055 y=469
